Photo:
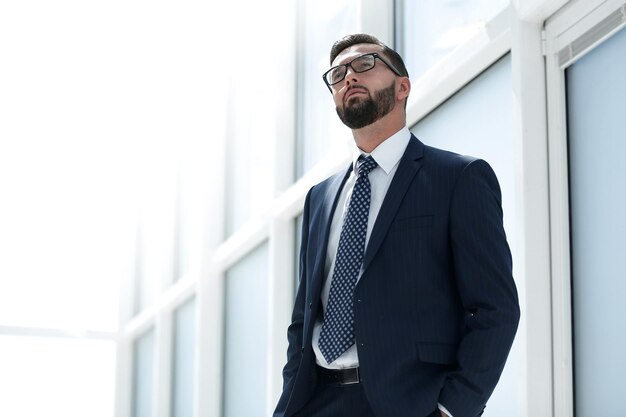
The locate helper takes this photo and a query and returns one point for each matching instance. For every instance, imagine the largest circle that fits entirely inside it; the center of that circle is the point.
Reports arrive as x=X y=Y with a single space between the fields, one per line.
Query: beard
x=368 y=110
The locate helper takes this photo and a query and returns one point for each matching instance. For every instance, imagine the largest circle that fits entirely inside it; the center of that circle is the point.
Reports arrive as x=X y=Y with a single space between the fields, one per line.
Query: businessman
x=406 y=305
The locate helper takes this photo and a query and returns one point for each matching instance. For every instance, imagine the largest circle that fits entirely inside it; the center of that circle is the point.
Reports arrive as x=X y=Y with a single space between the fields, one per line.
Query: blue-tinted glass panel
x=183 y=360
x=143 y=375
x=245 y=347
x=596 y=88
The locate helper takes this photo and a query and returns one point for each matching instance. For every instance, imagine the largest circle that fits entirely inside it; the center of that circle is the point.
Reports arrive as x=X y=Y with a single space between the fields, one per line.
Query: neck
x=369 y=137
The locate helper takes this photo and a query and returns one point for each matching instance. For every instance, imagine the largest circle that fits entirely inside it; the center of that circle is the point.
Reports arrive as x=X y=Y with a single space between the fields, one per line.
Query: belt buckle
x=356 y=380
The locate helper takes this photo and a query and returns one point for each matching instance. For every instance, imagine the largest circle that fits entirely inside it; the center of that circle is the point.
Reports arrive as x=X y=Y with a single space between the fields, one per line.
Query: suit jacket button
x=302 y=350
x=310 y=306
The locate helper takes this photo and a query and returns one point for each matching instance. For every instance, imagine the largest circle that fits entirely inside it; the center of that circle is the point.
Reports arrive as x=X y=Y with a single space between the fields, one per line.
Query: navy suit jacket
x=436 y=307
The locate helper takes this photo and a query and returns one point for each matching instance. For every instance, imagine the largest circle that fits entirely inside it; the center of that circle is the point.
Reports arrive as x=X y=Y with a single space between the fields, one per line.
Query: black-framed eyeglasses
x=359 y=64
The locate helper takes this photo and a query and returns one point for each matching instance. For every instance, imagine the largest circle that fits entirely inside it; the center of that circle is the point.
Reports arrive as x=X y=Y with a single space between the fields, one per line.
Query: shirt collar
x=388 y=153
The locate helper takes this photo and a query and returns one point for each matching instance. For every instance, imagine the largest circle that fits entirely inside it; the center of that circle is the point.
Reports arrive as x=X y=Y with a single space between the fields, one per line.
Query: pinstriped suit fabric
x=341 y=401
x=438 y=310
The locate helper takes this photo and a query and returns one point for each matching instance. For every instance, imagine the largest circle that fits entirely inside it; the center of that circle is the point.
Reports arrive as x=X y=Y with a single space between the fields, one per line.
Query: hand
x=443 y=414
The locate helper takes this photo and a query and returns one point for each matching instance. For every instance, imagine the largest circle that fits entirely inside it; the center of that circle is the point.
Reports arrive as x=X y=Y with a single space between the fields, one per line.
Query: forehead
x=353 y=51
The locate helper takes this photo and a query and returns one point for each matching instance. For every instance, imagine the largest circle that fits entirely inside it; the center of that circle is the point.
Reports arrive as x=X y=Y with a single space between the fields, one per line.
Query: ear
x=403 y=88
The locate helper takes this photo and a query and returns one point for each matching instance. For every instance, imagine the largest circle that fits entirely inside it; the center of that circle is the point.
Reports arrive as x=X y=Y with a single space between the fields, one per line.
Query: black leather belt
x=339 y=376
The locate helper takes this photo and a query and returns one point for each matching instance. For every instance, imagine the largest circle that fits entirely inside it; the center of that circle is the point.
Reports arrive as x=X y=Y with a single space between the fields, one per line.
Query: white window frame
x=570 y=34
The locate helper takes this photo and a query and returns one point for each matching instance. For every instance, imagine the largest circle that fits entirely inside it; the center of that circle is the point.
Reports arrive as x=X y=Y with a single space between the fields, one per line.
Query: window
x=596 y=140
x=49 y=376
x=143 y=375
x=319 y=129
x=245 y=343
x=298 y=241
x=183 y=370
x=428 y=30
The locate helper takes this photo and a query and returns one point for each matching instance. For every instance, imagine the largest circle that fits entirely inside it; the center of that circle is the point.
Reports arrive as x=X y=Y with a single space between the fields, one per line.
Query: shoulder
x=449 y=169
x=448 y=159
x=417 y=150
x=453 y=162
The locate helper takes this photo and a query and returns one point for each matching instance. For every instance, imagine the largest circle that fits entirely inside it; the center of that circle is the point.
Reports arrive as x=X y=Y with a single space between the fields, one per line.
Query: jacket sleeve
x=483 y=272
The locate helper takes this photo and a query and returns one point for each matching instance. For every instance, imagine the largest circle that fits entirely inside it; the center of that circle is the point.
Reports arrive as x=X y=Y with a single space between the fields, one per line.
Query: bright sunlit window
x=431 y=29
x=56 y=377
x=96 y=98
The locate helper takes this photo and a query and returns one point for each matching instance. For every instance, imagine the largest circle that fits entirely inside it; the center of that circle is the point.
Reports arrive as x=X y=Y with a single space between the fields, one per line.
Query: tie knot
x=365 y=165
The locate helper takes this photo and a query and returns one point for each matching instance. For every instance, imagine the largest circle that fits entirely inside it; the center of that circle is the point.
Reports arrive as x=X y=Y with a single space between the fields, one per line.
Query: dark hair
x=394 y=58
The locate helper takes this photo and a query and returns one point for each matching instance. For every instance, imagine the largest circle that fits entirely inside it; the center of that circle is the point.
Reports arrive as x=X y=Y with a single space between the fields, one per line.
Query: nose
x=351 y=76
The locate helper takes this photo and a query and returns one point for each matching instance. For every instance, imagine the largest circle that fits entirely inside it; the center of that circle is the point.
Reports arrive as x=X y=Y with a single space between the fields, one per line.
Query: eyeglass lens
x=359 y=64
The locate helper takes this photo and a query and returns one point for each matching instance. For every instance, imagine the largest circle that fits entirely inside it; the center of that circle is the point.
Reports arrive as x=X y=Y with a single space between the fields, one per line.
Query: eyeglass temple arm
x=393 y=68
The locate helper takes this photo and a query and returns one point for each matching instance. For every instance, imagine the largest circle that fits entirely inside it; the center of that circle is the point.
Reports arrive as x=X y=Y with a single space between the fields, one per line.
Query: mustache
x=352 y=87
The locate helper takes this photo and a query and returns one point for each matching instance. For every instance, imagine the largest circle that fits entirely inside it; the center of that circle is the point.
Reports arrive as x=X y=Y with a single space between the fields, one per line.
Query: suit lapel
x=408 y=166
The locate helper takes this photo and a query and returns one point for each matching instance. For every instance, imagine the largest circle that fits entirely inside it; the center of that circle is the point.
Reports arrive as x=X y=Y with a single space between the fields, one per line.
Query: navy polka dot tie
x=337 y=333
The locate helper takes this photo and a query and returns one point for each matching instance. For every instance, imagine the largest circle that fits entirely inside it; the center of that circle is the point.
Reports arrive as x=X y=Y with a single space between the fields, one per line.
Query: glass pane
x=65 y=229
x=245 y=375
x=191 y=209
x=433 y=28
x=596 y=88
x=181 y=232
x=250 y=155
x=297 y=253
x=319 y=129
x=183 y=360
x=466 y=124
x=143 y=375
x=156 y=244
x=250 y=162
x=145 y=292
x=56 y=377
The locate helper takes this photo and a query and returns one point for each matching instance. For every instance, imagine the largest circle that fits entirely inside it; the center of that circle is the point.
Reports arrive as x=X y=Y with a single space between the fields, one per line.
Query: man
x=406 y=305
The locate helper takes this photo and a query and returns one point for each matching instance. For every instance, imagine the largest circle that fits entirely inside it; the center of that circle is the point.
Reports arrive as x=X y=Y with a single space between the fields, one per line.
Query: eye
x=336 y=75
x=363 y=63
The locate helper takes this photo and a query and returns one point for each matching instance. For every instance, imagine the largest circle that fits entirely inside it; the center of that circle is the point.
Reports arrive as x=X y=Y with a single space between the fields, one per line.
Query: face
x=363 y=98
